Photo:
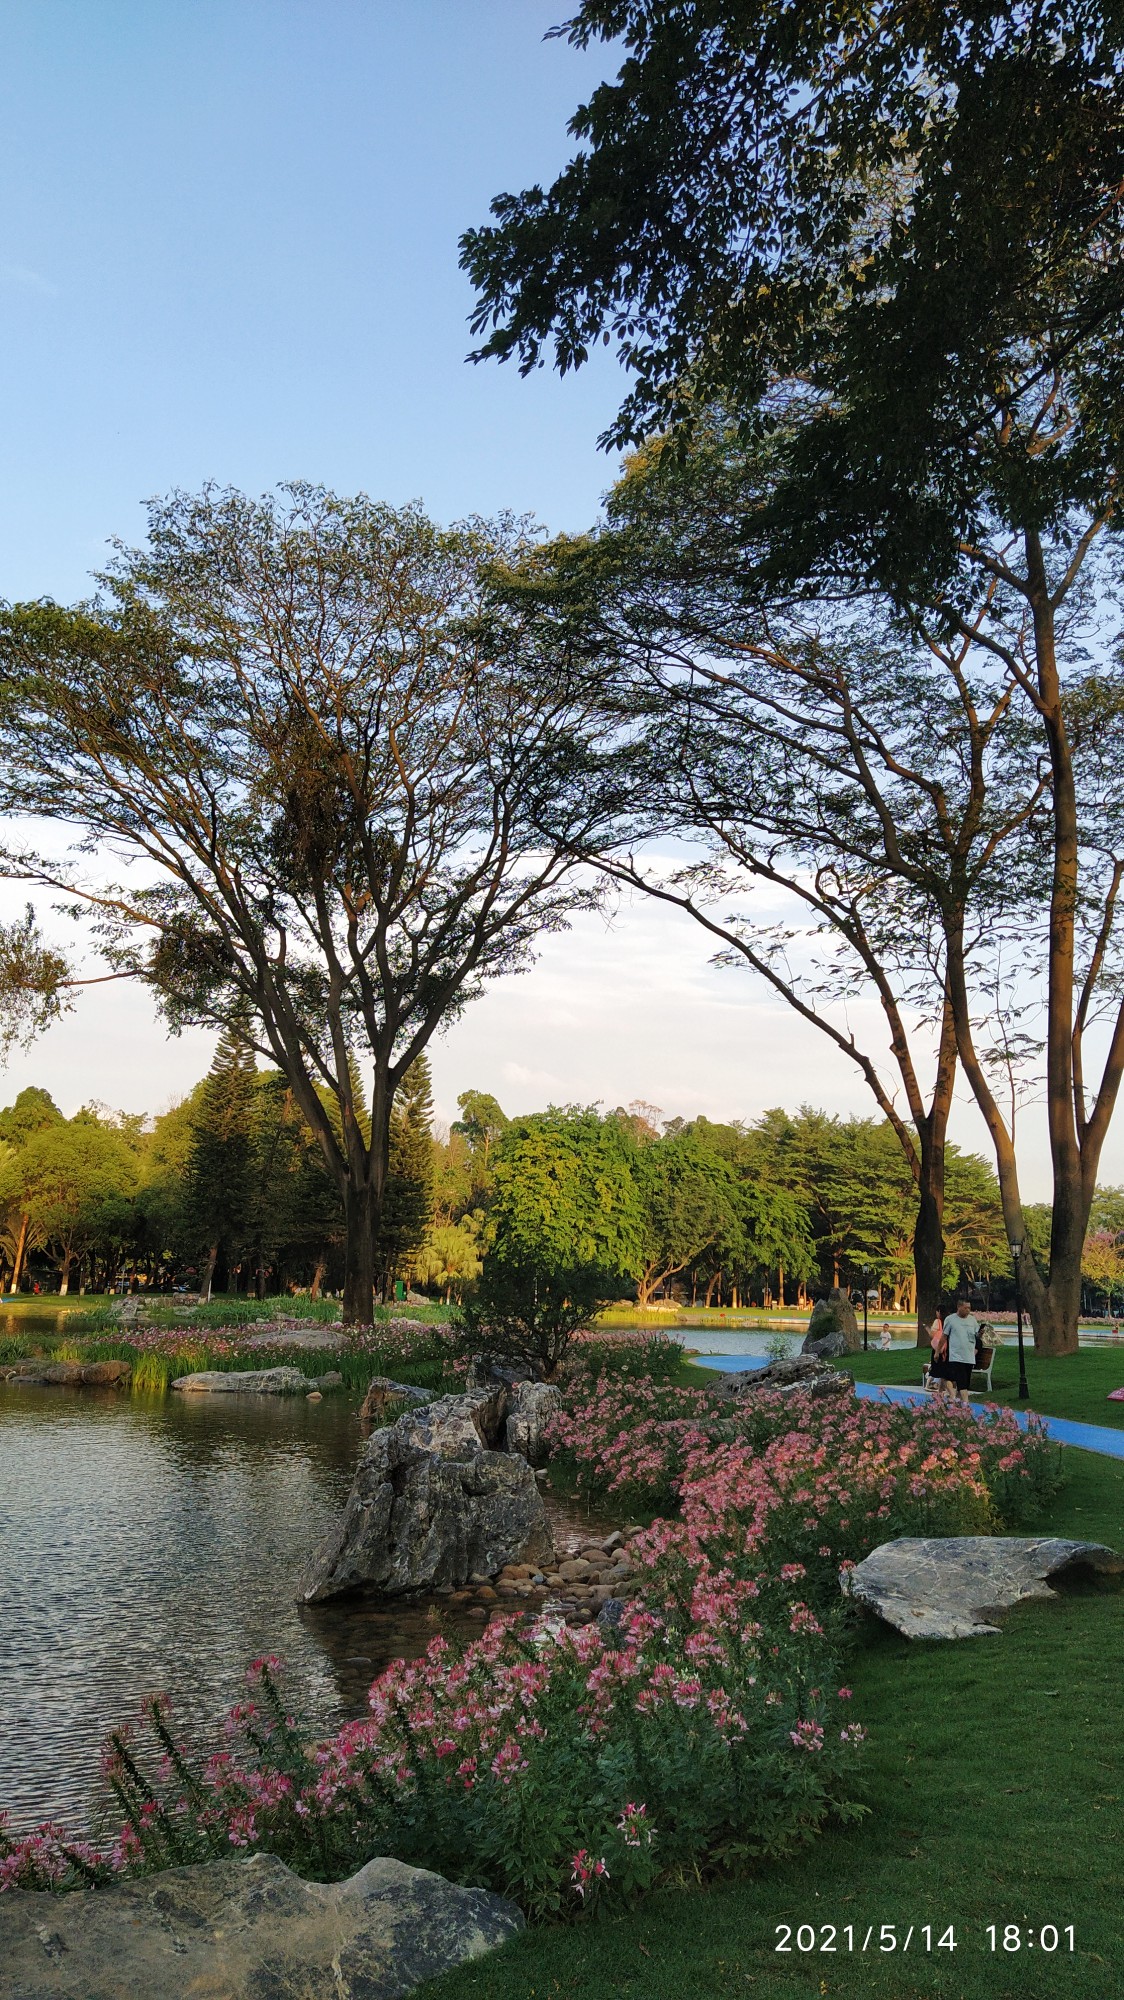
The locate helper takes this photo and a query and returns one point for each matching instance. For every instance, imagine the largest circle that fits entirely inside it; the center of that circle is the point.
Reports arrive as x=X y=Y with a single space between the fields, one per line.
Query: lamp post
x=866 y=1288
x=1024 y=1392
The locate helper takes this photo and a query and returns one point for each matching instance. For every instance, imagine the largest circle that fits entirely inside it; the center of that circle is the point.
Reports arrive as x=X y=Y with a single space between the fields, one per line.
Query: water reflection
x=159 y=1544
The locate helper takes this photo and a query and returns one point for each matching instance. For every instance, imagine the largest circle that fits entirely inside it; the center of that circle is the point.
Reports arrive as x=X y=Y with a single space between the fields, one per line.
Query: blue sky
x=228 y=251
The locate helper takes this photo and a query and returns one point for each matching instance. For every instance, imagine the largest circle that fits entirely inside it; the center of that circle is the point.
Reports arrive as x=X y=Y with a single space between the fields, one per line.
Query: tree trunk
x=928 y=1251
x=361 y=1218
x=780 y=1286
x=209 y=1272
x=64 y=1273
x=21 y=1246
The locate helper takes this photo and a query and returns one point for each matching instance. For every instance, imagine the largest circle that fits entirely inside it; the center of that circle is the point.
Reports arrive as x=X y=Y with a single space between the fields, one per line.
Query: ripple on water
x=158 y=1544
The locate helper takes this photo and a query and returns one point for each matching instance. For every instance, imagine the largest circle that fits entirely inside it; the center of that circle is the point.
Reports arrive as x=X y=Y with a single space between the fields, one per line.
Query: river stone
x=942 y=1588
x=381 y=1392
x=43 y=1374
x=530 y=1407
x=432 y=1503
x=246 y=1930
x=244 y=1382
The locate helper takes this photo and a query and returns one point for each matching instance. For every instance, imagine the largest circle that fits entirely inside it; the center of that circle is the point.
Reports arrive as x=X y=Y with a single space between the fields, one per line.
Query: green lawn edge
x=996 y=1774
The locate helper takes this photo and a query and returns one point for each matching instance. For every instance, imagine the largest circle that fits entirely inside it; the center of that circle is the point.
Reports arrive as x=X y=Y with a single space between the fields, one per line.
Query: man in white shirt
x=961 y=1329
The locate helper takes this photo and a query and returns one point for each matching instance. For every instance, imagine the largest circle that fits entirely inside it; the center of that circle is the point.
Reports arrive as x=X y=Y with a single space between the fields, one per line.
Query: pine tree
x=220 y=1162
x=408 y=1206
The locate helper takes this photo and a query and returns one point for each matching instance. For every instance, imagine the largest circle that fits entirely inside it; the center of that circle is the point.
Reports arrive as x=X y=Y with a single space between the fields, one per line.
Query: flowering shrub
x=644 y=1356
x=795 y=1475
x=841 y=1478
x=563 y=1768
x=629 y=1440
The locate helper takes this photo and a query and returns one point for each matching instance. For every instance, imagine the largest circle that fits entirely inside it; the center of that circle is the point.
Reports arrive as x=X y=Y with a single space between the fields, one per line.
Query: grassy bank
x=1074 y=1385
x=173 y=1341
x=996 y=1773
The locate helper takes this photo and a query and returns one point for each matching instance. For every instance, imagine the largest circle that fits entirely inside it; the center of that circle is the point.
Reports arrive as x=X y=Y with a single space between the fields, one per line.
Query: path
x=1088 y=1437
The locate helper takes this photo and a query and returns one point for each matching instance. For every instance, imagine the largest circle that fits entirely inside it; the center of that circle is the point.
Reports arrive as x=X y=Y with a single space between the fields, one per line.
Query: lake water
x=158 y=1544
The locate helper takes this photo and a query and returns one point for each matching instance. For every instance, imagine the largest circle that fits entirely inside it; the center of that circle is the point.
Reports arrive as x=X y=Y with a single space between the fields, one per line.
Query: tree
x=33 y=1110
x=299 y=712
x=481 y=1122
x=820 y=217
x=408 y=1206
x=565 y=1192
x=450 y=1257
x=689 y=1201
x=217 y=1180
x=565 y=1231
x=66 y=1174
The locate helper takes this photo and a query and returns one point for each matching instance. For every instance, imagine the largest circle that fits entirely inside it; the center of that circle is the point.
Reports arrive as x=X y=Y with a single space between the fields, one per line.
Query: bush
x=563 y=1770
x=526 y=1311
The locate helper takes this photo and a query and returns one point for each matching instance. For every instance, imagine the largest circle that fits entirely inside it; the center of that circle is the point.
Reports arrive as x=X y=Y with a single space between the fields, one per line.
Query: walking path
x=1088 y=1437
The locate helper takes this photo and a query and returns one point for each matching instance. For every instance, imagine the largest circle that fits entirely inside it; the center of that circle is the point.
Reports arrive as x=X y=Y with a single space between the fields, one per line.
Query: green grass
x=1072 y=1385
x=996 y=1775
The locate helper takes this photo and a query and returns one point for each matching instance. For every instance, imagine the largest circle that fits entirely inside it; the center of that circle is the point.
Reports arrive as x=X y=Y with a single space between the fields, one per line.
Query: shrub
x=562 y=1769
x=528 y=1311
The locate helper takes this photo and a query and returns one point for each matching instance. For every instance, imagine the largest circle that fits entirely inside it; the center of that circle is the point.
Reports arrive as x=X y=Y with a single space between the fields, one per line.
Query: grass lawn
x=1076 y=1385
x=996 y=1780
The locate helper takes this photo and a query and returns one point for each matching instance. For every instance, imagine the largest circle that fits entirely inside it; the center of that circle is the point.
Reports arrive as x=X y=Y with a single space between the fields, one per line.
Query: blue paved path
x=1090 y=1437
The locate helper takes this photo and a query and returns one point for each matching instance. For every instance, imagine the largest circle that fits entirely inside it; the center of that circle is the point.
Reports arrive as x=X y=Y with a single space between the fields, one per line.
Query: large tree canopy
x=846 y=208
x=327 y=768
x=888 y=240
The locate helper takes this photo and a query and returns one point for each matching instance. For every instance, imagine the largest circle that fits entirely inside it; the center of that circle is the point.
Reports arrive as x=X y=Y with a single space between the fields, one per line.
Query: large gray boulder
x=530 y=1407
x=833 y=1328
x=434 y=1503
x=244 y=1382
x=944 y=1588
x=246 y=1930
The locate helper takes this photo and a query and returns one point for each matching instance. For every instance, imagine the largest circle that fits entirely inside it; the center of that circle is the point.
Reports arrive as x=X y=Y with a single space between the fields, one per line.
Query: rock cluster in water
x=42 y=1374
x=244 y=1930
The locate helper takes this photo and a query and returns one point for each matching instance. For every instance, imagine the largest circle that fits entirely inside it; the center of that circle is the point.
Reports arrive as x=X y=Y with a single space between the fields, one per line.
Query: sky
x=228 y=252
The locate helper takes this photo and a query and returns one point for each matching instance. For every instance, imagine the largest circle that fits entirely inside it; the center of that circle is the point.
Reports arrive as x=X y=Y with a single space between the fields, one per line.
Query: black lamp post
x=1024 y=1392
x=866 y=1288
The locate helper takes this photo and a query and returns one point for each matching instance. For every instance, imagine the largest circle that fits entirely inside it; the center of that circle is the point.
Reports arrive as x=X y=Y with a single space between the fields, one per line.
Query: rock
x=244 y=1930
x=44 y=1374
x=314 y=1396
x=941 y=1588
x=332 y=1380
x=244 y=1382
x=612 y=1611
x=530 y=1405
x=382 y=1392
x=433 y=1504
x=833 y=1315
x=805 y=1371
x=828 y=1347
x=572 y=1572
x=303 y=1334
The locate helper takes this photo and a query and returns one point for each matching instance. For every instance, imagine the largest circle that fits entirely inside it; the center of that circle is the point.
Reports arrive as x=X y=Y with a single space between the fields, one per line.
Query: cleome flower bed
x=572 y=1768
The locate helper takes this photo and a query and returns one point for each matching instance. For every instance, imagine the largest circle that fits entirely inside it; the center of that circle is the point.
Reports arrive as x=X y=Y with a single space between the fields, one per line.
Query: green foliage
x=407 y=1211
x=565 y=1195
x=217 y=1188
x=525 y=1310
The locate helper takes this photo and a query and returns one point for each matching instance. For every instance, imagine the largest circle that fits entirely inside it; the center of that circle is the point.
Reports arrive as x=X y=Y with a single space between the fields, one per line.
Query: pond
x=158 y=1544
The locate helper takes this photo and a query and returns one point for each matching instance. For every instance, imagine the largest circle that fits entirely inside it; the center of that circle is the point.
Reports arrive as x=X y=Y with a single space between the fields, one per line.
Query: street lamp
x=866 y=1288
x=1024 y=1392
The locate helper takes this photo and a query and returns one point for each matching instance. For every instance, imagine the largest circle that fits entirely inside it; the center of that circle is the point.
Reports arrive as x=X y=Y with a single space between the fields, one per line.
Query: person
x=938 y=1358
x=962 y=1331
x=885 y=1337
